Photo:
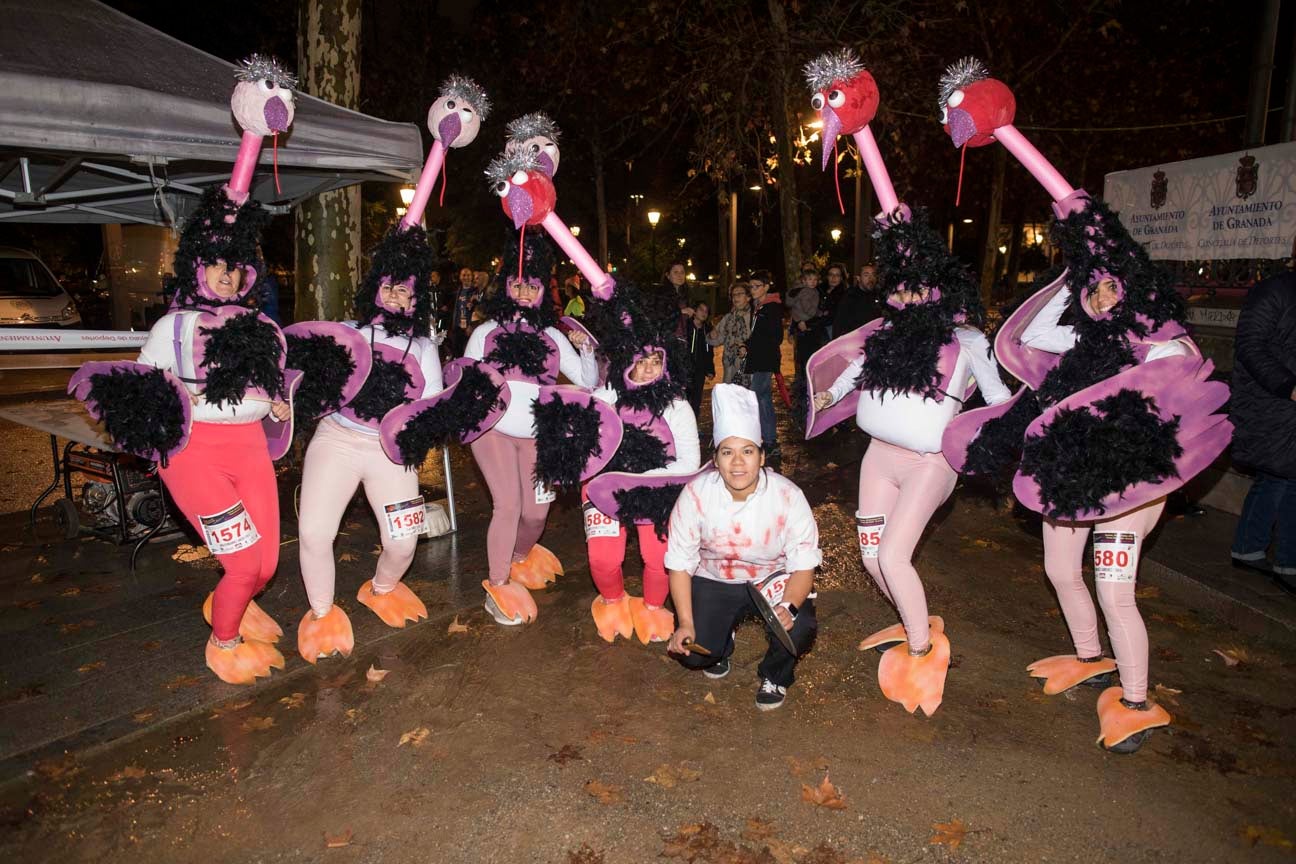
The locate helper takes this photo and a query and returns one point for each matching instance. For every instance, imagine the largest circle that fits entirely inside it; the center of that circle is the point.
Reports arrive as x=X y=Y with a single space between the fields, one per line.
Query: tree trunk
x=328 y=226
x=723 y=255
x=787 y=191
x=1014 y=253
x=600 y=205
x=989 y=253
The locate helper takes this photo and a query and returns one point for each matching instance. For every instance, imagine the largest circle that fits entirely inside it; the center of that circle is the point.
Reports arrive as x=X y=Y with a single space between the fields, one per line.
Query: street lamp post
x=654 y=216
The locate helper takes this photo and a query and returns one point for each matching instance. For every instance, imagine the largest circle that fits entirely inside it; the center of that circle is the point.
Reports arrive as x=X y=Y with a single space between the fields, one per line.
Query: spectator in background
x=732 y=331
x=572 y=294
x=860 y=303
x=269 y=289
x=834 y=289
x=1263 y=413
x=763 y=355
x=701 y=355
x=807 y=326
x=467 y=297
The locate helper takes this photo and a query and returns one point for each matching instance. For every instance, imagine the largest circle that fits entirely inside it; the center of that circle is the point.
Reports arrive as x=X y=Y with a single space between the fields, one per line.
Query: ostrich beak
x=520 y=206
x=961 y=126
x=831 y=128
x=449 y=128
x=546 y=163
x=276 y=114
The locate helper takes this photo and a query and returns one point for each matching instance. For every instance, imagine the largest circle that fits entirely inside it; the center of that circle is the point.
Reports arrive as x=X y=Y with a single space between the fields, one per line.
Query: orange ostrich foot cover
x=612 y=617
x=1064 y=671
x=245 y=662
x=916 y=682
x=537 y=569
x=651 y=625
x=1117 y=722
x=513 y=600
x=324 y=637
x=395 y=607
x=895 y=633
x=256 y=624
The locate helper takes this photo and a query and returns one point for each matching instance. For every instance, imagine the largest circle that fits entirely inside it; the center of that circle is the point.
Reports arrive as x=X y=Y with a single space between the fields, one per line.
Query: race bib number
x=773 y=586
x=598 y=523
x=869 y=529
x=229 y=531
x=405 y=518
x=544 y=495
x=1116 y=555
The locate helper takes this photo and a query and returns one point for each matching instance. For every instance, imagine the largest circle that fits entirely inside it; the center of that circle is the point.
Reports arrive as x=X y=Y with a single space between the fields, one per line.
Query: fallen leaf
x=584 y=855
x=353 y=714
x=456 y=627
x=1253 y=834
x=604 y=794
x=824 y=795
x=182 y=681
x=151 y=645
x=949 y=834
x=69 y=592
x=337 y=841
x=296 y=700
x=565 y=754
x=1147 y=592
x=56 y=768
x=130 y=772
x=143 y=716
x=758 y=829
x=76 y=626
x=258 y=724
x=1166 y=695
x=415 y=736
x=710 y=697
x=185 y=553
x=347 y=557
x=1229 y=655
x=90 y=667
x=375 y=674
x=27 y=604
x=668 y=776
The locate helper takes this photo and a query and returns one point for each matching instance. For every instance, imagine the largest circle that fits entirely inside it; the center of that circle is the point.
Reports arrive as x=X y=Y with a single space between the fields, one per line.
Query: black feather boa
x=902 y=356
x=402 y=253
x=384 y=389
x=523 y=350
x=242 y=353
x=209 y=237
x=653 y=504
x=567 y=436
x=639 y=451
x=326 y=366
x=474 y=397
x=501 y=308
x=624 y=325
x=1085 y=455
x=141 y=411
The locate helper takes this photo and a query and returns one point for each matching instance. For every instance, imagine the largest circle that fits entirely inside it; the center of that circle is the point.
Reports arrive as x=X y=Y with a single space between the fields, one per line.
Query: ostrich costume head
x=628 y=332
x=217 y=232
x=456 y=116
x=402 y=257
x=263 y=99
x=537 y=134
x=537 y=263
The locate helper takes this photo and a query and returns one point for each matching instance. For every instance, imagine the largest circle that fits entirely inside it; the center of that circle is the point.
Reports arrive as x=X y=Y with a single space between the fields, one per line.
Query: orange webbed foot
x=255 y=624
x=1120 y=727
x=916 y=682
x=513 y=601
x=395 y=607
x=324 y=637
x=896 y=633
x=1064 y=671
x=537 y=569
x=613 y=617
x=651 y=625
x=245 y=662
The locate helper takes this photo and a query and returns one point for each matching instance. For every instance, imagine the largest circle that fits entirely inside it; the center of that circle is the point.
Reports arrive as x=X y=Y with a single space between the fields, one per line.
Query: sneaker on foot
x=498 y=614
x=719 y=670
x=770 y=695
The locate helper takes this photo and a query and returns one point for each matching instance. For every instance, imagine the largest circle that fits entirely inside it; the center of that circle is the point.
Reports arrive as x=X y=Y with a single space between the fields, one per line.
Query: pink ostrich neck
x=877 y=171
x=575 y=251
x=1033 y=160
x=427 y=180
x=245 y=163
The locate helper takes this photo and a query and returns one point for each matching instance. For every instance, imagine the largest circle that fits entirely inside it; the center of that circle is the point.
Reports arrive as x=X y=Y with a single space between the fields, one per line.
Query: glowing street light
x=654 y=216
x=575 y=229
x=836 y=234
x=967 y=221
x=407 y=195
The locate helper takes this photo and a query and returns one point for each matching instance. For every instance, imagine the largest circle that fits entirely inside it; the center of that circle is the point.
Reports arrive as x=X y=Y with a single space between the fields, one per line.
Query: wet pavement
x=543 y=743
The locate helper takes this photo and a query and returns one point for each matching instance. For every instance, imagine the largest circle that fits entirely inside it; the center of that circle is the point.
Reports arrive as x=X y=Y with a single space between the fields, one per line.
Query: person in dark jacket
x=860 y=303
x=1263 y=412
x=764 y=356
x=697 y=333
x=834 y=288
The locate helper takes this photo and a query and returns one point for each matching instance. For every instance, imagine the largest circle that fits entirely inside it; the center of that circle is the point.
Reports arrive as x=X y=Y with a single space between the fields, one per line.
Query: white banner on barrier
x=1236 y=205
x=39 y=339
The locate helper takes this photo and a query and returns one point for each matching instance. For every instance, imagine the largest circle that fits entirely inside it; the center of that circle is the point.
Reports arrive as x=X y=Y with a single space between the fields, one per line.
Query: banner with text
x=1236 y=205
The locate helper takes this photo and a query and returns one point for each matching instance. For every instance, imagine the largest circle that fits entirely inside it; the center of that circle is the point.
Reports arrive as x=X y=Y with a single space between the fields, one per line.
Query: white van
x=30 y=295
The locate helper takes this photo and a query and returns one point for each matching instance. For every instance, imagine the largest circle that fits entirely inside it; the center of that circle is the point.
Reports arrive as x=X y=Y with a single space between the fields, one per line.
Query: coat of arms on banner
x=1248 y=177
x=1160 y=186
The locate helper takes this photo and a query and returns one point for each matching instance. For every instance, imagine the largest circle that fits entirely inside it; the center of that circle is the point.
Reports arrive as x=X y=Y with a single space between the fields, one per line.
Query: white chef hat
x=734 y=414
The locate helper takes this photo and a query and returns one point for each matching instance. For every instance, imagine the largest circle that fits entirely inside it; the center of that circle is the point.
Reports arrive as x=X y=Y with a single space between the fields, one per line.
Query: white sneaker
x=498 y=615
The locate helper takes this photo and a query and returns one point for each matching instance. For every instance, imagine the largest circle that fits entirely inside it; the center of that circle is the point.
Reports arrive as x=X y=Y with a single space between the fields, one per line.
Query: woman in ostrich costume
x=659 y=454
x=393 y=312
x=209 y=377
x=904 y=376
x=1116 y=414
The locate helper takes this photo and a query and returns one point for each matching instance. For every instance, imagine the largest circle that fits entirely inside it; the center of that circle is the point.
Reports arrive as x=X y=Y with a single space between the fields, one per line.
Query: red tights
x=607 y=554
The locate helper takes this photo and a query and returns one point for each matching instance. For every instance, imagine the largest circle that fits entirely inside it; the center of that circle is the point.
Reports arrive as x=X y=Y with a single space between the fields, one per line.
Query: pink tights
x=1064 y=547
x=517 y=521
x=906 y=487
x=337 y=461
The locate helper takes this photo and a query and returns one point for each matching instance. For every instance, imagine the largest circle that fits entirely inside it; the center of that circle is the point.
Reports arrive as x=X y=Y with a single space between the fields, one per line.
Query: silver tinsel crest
x=959 y=75
x=531 y=125
x=842 y=65
x=259 y=68
x=463 y=89
x=508 y=163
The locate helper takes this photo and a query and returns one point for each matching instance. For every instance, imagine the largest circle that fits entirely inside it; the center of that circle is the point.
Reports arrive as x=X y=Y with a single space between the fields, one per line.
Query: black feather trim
x=648 y=503
x=996 y=450
x=141 y=411
x=474 y=397
x=523 y=350
x=384 y=389
x=1085 y=455
x=903 y=355
x=242 y=353
x=402 y=253
x=910 y=254
x=624 y=326
x=567 y=436
x=639 y=451
x=209 y=237
x=326 y=366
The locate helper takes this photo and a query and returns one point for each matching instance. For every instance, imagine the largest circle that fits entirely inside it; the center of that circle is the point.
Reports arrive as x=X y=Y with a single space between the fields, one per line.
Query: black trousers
x=717 y=609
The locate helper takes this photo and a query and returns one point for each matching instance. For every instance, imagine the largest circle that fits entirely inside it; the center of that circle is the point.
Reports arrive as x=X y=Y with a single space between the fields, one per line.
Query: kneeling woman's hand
x=681 y=639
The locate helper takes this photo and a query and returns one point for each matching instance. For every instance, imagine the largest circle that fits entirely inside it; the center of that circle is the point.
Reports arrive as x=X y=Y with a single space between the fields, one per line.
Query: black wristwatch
x=792 y=609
